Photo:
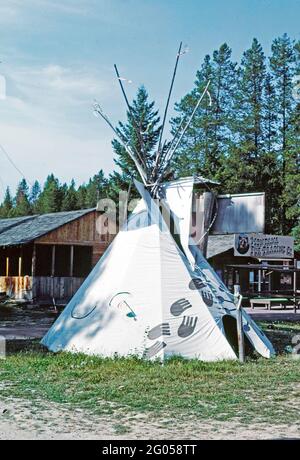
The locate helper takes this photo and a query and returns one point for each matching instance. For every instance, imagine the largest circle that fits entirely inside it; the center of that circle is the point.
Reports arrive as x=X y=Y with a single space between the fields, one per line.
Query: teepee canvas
x=153 y=294
x=144 y=298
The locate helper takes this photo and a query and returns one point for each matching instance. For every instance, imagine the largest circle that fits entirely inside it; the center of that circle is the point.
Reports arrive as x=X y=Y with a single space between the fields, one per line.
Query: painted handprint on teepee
x=187 y=326
x=159 y=330
x=208 y=298
x=196 y=284
x=154 y=350
x=178 y=307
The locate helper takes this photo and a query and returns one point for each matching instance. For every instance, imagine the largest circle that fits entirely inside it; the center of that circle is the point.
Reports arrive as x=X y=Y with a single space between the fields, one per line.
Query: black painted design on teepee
x=207 y=298
x=196 y=284
x=178 y=307
x=154 y=349
x=187 y=326
x=159 y=330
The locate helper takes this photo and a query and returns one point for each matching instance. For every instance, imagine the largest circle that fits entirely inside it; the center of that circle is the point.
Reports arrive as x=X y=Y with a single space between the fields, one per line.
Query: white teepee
x=153 y=294
x=145 y=298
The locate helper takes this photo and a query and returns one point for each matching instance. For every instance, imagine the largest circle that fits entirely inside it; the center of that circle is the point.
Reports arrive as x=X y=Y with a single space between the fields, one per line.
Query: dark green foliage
x=50 y=200
x=34 y=195
x=291 y=191
x=21 y=203
x=247 y=139
x=96 y=189
x=144 y=117
x=70 y=202
x=209 y=137
x=7 y=205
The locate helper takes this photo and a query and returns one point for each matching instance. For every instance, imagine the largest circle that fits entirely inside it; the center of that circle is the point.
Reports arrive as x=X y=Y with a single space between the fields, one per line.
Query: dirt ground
x=24 y=420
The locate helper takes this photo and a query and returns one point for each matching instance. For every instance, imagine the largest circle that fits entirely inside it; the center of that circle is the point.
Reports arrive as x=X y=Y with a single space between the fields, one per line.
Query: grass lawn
x=260 y=390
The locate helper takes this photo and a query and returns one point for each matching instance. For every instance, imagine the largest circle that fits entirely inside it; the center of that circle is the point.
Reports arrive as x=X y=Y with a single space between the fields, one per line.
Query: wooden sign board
x=263 y=246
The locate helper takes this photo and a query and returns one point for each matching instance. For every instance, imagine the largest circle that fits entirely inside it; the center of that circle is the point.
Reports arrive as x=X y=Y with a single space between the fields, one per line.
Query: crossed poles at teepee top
x=153 y=177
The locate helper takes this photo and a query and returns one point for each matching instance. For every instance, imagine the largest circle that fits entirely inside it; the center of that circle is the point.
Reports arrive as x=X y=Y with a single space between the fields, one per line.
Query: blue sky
x=57 y=56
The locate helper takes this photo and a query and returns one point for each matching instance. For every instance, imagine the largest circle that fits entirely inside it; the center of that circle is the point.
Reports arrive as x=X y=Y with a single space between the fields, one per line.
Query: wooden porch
x=40 y=288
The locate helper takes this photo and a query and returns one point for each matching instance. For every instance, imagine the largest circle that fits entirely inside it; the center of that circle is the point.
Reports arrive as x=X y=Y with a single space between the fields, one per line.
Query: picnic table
x=269 y=301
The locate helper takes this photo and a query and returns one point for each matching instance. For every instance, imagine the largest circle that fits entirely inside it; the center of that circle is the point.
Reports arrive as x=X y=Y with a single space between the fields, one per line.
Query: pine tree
x=82 y=197
x=270 y=114
x=270 y=172
x=291 y=191
x=296 y=234
x=51 y=197
x=207 y=141
x=22 y=204
x=96 y=189
x=69 y=202
x=34 y=195
x=119 y=182
x=144 y=117
x=283 y=66
x=7 y=205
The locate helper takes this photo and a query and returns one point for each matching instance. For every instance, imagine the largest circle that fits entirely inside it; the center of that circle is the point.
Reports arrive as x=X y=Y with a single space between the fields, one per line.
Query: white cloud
x=53 y=94
x=46 y=123
x=45 y=83
x=65 y=6
x=8 y=13
x=18 y=7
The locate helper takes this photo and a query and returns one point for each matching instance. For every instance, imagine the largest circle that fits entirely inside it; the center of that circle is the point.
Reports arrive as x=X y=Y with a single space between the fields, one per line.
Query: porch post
x=72 y=261
x=20 y=266
x=53 y=273
x=33 y=272
x=53 y=261
x=7 y=267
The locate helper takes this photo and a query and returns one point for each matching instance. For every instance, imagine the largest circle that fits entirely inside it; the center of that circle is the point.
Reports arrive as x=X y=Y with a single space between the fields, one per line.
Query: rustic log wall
x=83 y=232
x=58 y=288
x=80 y=232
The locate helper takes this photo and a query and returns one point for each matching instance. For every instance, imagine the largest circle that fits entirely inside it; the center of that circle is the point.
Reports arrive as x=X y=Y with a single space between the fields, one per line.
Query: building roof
x=6 y=224
x=198 y=180
x=204 y=180
x=23 y=230
x=217 y=244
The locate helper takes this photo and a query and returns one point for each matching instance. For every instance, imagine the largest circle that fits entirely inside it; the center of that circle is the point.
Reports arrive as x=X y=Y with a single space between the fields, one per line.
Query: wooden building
x=47 y=257
x=243 y=215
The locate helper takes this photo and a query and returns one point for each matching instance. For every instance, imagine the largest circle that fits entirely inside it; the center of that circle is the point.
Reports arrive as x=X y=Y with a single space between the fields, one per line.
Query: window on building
x=82 y=261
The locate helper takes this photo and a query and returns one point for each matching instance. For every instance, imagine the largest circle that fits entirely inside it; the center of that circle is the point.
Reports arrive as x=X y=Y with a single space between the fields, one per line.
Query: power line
x=14 y=164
